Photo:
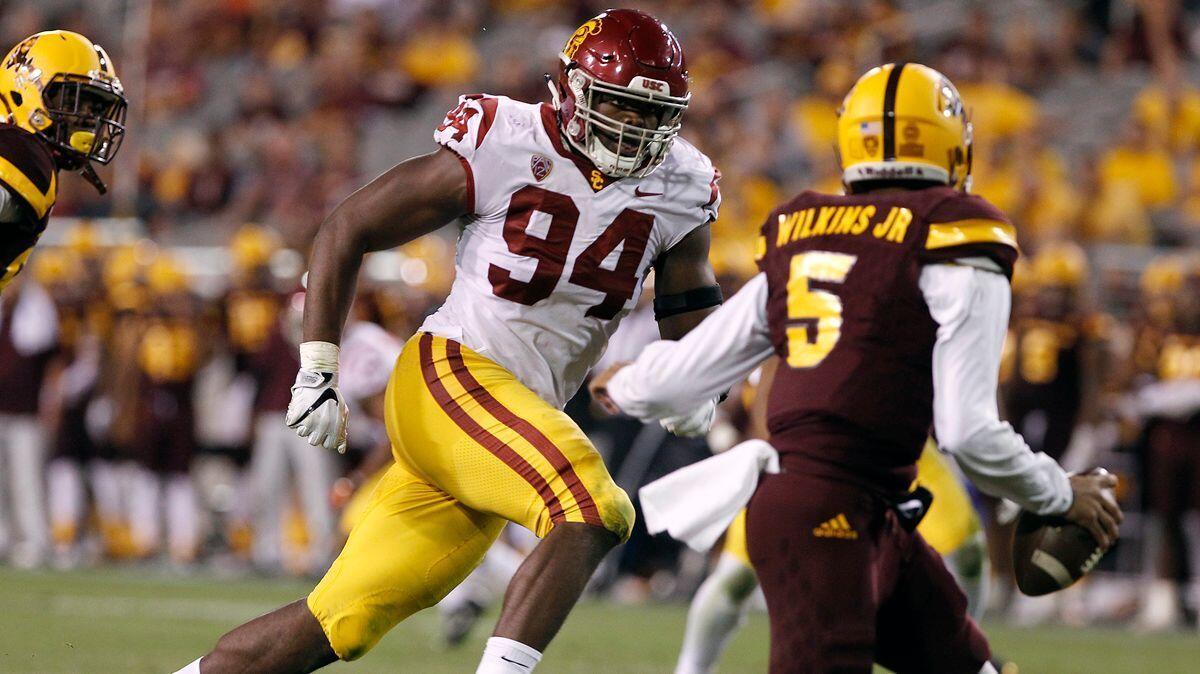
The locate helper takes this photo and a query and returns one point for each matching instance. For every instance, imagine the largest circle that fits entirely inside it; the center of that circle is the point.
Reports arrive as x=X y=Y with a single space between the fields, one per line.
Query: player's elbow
x=340 y=236
x=960 y=437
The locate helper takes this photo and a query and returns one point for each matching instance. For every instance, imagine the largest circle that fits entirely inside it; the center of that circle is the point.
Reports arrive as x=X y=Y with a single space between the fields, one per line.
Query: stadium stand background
x=1087 y=117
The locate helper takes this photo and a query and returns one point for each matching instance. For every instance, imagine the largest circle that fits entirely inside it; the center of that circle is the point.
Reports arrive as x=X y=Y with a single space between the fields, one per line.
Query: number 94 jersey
x=553 y=253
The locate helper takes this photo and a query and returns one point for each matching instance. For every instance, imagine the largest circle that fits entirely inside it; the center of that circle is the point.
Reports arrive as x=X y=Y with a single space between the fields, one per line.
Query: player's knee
x=350 y=633
x=616 y=512
x=354 y=636
x=736 y=580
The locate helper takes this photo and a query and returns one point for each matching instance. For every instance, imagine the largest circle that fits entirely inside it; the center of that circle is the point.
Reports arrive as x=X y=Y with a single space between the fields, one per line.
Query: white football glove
x=318 y=411
x=692 y=424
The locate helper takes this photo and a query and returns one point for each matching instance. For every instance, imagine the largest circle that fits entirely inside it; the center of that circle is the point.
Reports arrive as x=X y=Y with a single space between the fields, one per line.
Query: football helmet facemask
x=632 y=60
x=61 y=87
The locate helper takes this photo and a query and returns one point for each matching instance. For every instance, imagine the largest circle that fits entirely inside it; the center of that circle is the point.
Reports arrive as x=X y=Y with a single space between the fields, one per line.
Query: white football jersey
x=554 y=254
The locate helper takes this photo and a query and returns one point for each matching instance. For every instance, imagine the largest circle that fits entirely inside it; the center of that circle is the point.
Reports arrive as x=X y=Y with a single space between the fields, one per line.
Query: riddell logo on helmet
x=893 y=172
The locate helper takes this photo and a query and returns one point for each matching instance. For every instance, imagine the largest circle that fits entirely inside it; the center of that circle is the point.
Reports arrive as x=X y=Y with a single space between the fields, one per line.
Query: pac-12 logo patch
x=540 y=166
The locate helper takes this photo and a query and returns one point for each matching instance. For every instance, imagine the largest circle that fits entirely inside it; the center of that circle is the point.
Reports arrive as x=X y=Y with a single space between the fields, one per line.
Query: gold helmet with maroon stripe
x=1059 y=263
x=904 y=122
x=632 y=59
x=61 y=87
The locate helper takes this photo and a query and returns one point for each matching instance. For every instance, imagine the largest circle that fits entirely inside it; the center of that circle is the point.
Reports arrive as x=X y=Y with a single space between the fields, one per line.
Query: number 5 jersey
x=888 y=311
x=553 y=253
x=849 y=315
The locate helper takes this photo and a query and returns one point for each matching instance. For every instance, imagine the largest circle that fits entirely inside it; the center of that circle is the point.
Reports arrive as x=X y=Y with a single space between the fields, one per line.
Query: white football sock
x=715 y=614
x=505 y=656
x=106 y=491
x=970 y=567
x=192 y=668
x=145 y=505
x=183 y=519
x=64 y=482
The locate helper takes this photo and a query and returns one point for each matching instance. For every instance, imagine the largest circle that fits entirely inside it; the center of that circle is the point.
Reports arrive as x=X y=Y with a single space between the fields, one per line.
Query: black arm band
x=695 y=299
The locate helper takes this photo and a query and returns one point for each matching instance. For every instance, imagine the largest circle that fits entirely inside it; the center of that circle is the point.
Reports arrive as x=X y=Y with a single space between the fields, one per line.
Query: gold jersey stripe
x=18 y=181
x=15 y=268
x=976 y=230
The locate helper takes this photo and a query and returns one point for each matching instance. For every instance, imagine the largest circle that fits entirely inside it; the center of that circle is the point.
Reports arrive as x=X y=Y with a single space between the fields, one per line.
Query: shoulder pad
x=968 y=219
x=964 y=225
x=465 y=127
x=27 y=168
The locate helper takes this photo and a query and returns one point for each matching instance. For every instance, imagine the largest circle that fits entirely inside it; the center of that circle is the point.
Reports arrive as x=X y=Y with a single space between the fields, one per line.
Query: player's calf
x=541 y=595
x=286 y=640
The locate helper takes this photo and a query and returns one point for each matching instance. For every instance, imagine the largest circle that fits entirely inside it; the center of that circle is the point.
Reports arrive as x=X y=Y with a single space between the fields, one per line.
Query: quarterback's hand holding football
x=317 y=410
x=694 y=424
x=1094 y=507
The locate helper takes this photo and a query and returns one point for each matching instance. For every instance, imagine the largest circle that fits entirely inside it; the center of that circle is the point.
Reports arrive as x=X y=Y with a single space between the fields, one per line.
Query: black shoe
x=458 y=623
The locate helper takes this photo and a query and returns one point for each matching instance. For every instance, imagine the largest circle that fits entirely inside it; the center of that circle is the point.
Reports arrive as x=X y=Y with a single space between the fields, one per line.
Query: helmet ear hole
x=16 y=97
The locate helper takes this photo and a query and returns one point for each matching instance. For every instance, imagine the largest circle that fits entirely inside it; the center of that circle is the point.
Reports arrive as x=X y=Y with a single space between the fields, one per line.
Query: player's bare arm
x=686 y=291
x=413 y=198
x=685 y=286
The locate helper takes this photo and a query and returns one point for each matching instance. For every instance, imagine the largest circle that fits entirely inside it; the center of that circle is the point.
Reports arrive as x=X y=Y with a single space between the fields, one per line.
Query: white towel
x=695 y=504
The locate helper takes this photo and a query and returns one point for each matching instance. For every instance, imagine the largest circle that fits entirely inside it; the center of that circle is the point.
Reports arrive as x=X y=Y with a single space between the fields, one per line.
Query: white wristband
x=319 y=356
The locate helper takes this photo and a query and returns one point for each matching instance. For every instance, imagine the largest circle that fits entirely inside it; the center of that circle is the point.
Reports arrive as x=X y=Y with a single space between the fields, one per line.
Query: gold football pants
x=474 y=448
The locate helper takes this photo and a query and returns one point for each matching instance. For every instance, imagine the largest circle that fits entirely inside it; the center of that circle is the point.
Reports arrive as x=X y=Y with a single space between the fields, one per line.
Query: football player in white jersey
x=565 y=208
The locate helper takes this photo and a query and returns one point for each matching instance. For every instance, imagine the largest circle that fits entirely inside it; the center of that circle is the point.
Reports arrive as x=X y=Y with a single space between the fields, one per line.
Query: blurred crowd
x=147 y=381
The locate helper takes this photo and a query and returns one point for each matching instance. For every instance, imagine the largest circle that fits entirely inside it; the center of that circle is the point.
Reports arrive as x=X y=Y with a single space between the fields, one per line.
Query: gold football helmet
x=57 y=265
x=252 y=246
x=165 y=276
x=1163 y=276
x=85 y=239
x=61 y=87
x=1059 y=264
x=904 y=122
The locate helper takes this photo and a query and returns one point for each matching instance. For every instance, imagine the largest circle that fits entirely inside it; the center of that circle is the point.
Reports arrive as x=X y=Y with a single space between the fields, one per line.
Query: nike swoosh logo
x=326 y=395
x=519 y=664
x=637 y=191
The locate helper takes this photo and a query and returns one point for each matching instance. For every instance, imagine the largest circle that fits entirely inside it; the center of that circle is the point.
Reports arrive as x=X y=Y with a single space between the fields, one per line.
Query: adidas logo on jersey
x=838 y=527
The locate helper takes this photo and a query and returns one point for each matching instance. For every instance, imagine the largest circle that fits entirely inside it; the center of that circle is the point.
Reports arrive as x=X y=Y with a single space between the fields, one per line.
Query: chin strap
x=89 y=174
x=555 y=97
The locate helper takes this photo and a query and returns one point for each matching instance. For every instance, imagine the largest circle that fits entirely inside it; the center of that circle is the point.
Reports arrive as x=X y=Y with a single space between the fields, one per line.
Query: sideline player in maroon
x=889 y=307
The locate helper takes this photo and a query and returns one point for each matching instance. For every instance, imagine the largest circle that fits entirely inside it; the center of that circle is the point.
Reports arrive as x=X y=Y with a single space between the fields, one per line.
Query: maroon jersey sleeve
x=967 y=225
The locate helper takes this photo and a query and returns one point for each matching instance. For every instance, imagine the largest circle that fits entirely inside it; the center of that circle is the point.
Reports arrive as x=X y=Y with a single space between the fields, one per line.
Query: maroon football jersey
x=853 y=396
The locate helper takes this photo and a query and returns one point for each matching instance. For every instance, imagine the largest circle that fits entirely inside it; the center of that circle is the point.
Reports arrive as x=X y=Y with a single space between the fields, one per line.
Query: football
x=1051 y=553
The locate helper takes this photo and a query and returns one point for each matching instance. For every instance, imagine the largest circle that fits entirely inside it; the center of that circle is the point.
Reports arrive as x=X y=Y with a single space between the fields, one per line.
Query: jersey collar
x=591 y=174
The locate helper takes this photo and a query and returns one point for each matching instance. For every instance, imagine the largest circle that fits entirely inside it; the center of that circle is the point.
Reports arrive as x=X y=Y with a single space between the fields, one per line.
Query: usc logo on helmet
x=591 y=27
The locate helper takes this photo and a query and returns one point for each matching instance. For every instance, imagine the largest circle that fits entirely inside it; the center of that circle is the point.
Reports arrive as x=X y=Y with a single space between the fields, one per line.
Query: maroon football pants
x=847 y=586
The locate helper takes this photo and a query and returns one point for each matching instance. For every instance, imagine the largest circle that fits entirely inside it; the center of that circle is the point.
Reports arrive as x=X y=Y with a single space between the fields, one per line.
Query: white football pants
x=23 y=523
x=280 y=461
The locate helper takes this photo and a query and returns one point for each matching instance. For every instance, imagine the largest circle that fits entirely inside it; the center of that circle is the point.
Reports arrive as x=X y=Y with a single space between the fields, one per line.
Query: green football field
x=135 y=621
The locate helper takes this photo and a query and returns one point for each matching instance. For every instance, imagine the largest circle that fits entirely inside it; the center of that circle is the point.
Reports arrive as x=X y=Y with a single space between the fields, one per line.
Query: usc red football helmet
x=630 y=58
